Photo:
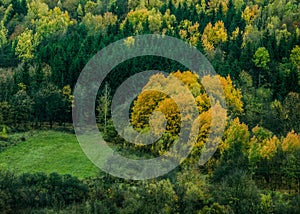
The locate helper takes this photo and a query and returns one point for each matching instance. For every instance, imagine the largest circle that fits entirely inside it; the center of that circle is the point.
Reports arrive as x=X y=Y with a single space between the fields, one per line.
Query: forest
x=254 y=47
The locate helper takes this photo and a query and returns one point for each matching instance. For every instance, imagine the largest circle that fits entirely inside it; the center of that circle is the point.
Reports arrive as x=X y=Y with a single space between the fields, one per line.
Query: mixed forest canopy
x=45 y=45
x=254 y=47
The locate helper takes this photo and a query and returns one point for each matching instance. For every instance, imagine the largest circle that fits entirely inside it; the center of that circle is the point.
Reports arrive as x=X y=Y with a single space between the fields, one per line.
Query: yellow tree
x=291 y=142
x=213 y=36
x=153 y=99
x=170 y=22
x=228 y=92
x=189 y=32
x=214 y=5
x=250 y=13
x=143 y=107
x=155 y=20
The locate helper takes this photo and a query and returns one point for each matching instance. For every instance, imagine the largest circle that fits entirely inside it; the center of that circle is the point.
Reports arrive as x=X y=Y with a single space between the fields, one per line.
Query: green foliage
x=238 y=191
x=192 y=191
x=295 y=56
x=261 y=58
x=26 y=45
x=39 y=190
x=22 y=106
x=234 y=150
x=3 y=35
x=49 y=104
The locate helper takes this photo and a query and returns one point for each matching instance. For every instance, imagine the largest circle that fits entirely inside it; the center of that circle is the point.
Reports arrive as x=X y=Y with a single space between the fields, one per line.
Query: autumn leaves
x=205 y=95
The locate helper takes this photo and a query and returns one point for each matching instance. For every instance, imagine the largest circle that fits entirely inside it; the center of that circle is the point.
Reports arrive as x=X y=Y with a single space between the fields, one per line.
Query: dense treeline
x=253 y=45
x=180 y=192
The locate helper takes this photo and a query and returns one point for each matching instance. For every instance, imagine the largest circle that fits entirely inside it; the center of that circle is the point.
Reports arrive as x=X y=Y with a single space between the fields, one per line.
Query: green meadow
x=48 y=151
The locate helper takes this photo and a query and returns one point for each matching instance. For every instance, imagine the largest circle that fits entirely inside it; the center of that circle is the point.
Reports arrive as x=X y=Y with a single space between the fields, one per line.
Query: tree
x=8 y=14
x=215 y=6
x=68 y=100
x=169 y=22
x=26 y=45
x=98 y=23
x=192 y=190
x=291 y=142
x=103 y=105
x=213 y=36
x=3 y=36
x=71 y=6
x=257 y=102
x=170 y=119
x=228 y=92
x=36 y=10
x=137 y=19
x=92 y=7
x=234 y=150
x=291 y=148
x=155 y=21
x=5 y=113
x=120 y=8
x=7 y=84
x=261 y=59
x=189 y=32
x=250 y=13
x=295 y=59
x=159 y=196
x=54 y=23
x=22 y=106
x=49 y=104
x=237 y=191
x=291 y=112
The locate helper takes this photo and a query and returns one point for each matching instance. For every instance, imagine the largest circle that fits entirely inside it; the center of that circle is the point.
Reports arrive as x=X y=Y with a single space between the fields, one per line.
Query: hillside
x=223 y=143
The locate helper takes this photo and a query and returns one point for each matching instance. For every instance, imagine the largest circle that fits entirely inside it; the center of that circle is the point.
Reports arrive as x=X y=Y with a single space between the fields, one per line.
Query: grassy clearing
x=48 y=151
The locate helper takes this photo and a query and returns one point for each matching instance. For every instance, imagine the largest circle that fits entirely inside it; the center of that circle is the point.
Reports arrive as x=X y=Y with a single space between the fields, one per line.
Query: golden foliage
x=156 y=107
x=226 y=91
x=291 y=142
x=214 y=5
x=170 y=21
x=213 y=35
x=189 y=32
x=250 y=13
x=143 y=107
x=269 y=147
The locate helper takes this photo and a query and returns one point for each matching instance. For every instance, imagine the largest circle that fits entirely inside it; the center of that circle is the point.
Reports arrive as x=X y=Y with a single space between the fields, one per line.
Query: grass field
x=48 y=151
